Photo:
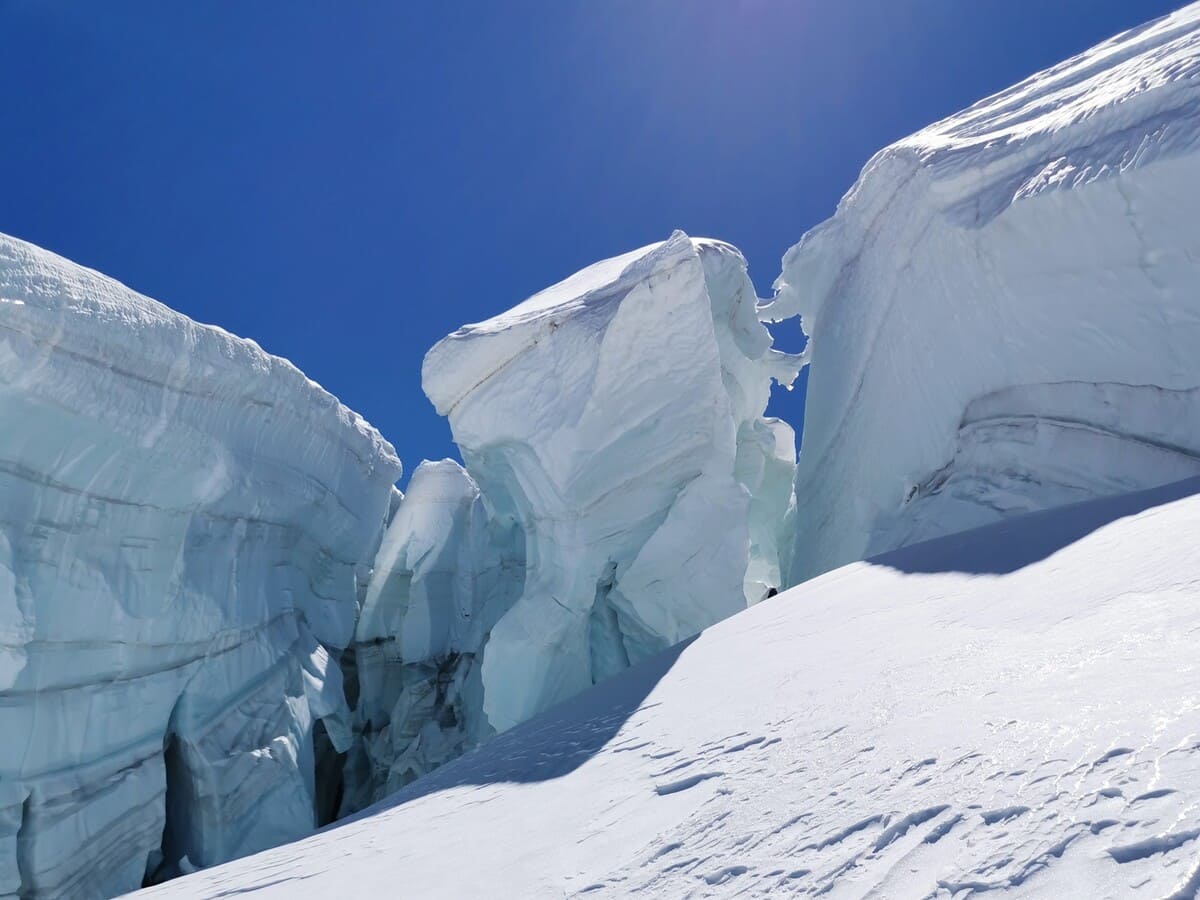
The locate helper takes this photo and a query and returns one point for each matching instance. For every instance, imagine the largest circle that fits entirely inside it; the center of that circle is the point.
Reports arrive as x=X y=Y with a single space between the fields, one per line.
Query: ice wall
x=625 y=491
x=185 y=525
x=1003 y=311
x=446 y=571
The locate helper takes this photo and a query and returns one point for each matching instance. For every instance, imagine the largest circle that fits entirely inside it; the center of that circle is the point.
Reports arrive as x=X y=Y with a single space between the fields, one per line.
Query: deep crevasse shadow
x=1018 y=542
x=551 y=744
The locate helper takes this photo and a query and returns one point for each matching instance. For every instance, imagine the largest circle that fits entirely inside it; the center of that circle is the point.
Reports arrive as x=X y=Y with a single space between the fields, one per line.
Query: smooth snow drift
x=185 y=523
x=915 y=726
x=624 y=492
x=1004 y=310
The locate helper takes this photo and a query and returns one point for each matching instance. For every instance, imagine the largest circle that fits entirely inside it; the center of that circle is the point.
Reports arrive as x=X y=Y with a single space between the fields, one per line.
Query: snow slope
x=185 y=525
x=1003 y=311
x=1011 y=709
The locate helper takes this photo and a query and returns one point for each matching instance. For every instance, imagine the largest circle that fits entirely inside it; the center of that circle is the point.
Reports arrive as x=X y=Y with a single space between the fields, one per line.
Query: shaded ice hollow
x=1003 y=311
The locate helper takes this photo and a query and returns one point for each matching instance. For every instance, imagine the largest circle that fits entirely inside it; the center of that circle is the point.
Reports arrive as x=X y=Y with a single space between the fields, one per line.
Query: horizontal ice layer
x=1038 y=251
x=617 y=419
x=185 y=523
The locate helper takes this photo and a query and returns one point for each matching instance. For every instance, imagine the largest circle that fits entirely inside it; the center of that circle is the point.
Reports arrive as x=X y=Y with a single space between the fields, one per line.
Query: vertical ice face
x=445 y=572
x=616 y=418
x=185 y=525
x=1003 y=311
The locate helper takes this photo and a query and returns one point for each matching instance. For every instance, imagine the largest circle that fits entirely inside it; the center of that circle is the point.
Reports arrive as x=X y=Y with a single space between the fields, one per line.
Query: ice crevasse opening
x=1003 y=310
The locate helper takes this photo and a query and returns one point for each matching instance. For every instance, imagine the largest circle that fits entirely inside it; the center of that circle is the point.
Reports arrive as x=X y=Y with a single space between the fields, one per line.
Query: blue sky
x=347 y=182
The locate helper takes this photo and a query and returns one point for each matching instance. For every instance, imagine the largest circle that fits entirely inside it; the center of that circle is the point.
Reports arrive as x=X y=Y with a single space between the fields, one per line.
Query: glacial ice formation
x=629 y=494
x=445 y=573
x=624 y=492
x=185 y=525
x=1003 y=310
x=893 y=730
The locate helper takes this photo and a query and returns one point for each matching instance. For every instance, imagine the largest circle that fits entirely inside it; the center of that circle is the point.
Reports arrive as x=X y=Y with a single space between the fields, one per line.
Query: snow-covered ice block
x=617 y=419
x=185 y=526
x=1039 y=248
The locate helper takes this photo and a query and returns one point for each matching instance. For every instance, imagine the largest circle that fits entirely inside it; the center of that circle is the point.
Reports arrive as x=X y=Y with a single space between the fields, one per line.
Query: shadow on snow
x=1010 y=545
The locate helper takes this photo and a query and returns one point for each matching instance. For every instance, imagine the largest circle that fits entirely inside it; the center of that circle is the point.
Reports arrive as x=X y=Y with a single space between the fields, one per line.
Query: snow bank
x=898 y=728
x=1003 y=311
x=186 y=523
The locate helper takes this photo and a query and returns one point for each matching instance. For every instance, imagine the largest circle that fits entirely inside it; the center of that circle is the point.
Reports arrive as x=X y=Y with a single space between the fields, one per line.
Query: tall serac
x=1003 y=311
x=186 y=525
x=622 y=491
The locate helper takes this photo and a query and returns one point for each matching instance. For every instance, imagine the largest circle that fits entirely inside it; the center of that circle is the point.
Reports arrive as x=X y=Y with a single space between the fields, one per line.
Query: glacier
x=187 y=525
x=1002 y=312
x=221 y=624
x=622 y=490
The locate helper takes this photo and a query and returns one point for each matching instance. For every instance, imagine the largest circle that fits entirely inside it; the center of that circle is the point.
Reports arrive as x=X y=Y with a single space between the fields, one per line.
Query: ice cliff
x=624 y=492
x=185 y=525
x=1003 y=311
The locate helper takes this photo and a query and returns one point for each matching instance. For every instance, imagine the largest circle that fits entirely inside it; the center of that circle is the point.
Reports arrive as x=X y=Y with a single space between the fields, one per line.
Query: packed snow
x=1014 y=709
x=1004 y=313
x=186 y=525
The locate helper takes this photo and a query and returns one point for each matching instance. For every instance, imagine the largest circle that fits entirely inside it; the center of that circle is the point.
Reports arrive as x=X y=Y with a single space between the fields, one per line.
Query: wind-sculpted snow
x=892 y=729
x=1036 y=254
x=185 y=524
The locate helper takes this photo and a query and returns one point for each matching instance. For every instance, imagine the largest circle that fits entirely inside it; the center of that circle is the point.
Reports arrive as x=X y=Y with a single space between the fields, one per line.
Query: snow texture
x=1013 y=709
x=185 y=525
x=1003 y=312
x=625 y=491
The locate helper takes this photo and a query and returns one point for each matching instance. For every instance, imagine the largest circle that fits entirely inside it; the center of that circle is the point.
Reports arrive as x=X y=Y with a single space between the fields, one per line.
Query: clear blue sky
x=347 y=182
